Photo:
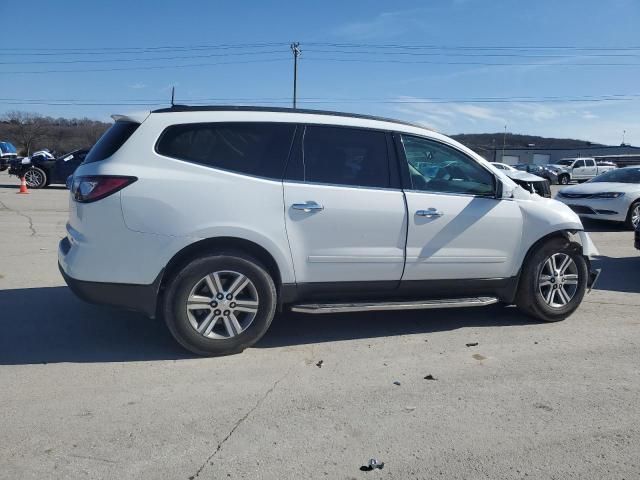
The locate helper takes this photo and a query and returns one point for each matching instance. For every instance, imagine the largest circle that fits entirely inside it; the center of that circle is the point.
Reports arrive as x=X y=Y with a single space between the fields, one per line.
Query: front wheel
x=633 y=216
x=563 y=179
x=553 y=281
x=35 y=177
x=220 y=304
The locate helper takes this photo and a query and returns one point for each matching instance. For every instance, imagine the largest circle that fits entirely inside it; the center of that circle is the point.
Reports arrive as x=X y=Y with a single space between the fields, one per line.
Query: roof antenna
x=173 y=94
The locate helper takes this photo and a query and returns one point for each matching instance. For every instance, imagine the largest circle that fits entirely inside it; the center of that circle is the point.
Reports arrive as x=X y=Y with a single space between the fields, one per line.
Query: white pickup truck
x=578 y=169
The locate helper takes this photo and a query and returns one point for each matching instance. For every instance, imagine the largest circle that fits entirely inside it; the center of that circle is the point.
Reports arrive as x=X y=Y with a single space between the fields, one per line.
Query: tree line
x=30 y=132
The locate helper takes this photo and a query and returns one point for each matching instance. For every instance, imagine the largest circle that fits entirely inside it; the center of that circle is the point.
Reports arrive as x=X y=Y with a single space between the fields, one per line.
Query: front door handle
x=309 y=206
x=429 y=213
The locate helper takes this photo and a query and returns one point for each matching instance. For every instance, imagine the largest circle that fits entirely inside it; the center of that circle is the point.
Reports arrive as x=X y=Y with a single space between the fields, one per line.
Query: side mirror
x=503 y=190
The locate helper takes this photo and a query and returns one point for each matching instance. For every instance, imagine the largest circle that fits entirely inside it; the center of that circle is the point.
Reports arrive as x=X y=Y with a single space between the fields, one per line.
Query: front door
x=457 y=228
x=345 y=220
x=68 y=164
x=579 y=170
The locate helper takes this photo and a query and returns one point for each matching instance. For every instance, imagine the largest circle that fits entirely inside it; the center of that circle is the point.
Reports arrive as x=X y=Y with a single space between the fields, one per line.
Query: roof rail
x=238 y=108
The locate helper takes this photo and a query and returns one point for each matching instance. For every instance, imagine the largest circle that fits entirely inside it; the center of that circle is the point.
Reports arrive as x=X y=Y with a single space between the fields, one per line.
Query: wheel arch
x=221 y=244
x=556 y=234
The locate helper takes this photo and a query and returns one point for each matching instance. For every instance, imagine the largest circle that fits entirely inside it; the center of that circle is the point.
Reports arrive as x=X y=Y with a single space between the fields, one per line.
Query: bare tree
x=27 y=128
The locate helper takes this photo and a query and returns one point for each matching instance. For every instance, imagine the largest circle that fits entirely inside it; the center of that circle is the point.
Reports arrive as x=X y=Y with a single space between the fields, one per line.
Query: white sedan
x=614 y=195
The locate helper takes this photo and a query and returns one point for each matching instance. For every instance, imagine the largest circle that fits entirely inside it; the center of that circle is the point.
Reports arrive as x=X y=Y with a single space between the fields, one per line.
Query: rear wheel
x=220 y=304
x=563 y=179
x=35 y=177
x=553 y=281
x=633 y=217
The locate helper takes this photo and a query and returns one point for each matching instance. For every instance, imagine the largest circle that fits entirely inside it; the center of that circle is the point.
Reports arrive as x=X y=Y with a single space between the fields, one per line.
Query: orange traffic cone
x=23 y=185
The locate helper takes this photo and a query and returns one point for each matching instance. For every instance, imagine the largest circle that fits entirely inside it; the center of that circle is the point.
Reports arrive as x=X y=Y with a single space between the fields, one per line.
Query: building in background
x=621 y=155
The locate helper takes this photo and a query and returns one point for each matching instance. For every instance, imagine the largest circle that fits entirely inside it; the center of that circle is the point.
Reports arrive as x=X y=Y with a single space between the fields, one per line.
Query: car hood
x=599 y=187
x=523 y=176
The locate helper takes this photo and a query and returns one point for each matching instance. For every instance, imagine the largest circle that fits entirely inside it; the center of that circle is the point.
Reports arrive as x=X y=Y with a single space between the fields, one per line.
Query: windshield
x=621 y=175
x=6 y=147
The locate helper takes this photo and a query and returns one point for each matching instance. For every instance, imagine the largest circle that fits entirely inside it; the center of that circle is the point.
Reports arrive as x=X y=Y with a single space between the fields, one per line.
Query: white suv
x=214 y=218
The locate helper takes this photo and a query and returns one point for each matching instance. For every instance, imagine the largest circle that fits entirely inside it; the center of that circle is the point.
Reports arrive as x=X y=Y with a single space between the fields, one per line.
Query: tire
x=36 y=178
x=531 y=289
x=226 y=327
x=633 y=216
x=564 y=179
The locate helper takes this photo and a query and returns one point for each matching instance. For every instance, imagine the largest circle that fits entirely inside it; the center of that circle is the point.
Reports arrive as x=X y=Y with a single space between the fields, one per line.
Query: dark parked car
x=44 y=170
x=539 y=170
x=7 y=153
x=637 y=237
x=530 y=182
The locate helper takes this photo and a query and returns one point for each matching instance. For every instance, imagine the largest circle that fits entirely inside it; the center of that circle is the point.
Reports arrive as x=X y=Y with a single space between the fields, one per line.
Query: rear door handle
x=429 y=213
x=309 y=206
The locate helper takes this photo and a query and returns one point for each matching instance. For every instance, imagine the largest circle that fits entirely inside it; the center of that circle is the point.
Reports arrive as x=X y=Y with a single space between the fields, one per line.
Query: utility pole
x=624 y=134
x=295 y=48
x=504 y=143
x=173 y=95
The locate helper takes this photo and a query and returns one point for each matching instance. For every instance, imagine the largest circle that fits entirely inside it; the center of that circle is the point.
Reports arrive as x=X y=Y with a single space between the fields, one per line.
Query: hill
x=495 y=140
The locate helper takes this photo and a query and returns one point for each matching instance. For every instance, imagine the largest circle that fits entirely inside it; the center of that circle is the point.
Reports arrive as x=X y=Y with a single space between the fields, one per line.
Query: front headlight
x=608 y=195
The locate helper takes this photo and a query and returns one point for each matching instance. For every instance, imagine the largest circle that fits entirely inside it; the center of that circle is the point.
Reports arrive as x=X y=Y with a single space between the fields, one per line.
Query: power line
x=149 y=67
x=515 y=55
x=486 y=64
x=324 y=100
x=180 y=57
x=473 y=47
x=94 y=50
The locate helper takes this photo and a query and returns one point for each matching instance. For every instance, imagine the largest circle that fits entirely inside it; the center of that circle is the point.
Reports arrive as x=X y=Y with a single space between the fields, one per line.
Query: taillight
x=86 y=189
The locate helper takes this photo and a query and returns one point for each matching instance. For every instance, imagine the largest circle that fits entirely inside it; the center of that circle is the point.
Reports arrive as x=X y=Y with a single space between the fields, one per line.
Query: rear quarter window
x=111 y=141
x=253 y=148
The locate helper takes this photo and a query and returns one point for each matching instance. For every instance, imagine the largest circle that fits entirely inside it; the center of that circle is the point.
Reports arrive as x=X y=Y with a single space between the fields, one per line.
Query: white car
x=214 y=218
x=528 y=181
x=578 y=169
x=614 y=195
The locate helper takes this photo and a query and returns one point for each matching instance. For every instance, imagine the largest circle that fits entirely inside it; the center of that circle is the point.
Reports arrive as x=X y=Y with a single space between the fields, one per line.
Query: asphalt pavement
x=93 y=392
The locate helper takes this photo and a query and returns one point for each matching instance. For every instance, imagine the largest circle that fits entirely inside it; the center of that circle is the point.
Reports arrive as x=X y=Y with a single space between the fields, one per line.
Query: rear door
x=590 y=168
x=344 y=209
x=458 y=229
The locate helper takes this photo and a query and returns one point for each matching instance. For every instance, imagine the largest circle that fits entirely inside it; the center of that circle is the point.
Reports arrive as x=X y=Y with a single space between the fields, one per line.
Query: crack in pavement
x=238 y=423
x=20 y=214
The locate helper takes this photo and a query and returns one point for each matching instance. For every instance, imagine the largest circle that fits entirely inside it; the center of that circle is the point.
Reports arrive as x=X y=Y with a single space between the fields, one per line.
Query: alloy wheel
x=558 y=280
x=222 y=304
x=635 y=216
x=33 y=178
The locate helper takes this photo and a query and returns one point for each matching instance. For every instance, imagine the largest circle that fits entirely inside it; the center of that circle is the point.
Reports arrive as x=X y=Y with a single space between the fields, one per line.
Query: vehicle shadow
x=50 y=325
x=299 y=329
x=619 y=274
x=604 y=226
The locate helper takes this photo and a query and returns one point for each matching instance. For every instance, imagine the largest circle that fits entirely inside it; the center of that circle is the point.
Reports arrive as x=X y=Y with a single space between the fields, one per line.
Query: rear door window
x=345 y=156
x=259 y=149
x=111 y=141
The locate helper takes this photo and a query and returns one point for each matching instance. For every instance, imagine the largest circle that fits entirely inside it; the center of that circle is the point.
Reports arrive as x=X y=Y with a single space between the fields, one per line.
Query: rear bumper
x=140 y=298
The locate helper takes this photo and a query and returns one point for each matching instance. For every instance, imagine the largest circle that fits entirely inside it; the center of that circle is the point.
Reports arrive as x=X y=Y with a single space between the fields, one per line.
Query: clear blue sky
x=401 y=82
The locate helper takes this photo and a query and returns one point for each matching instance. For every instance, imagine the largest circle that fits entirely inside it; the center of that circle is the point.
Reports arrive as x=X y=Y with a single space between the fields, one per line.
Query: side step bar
x=409 y=305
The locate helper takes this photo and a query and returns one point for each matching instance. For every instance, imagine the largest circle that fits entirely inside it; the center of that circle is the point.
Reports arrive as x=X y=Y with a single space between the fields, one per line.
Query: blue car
x=7 y=152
